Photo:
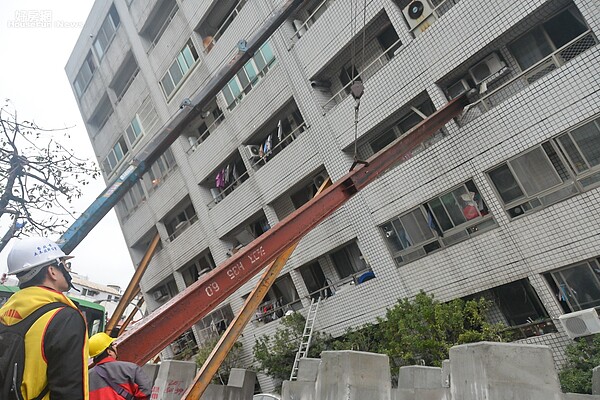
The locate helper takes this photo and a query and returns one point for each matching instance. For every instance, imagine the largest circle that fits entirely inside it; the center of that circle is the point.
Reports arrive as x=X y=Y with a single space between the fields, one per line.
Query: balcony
x=509 y=88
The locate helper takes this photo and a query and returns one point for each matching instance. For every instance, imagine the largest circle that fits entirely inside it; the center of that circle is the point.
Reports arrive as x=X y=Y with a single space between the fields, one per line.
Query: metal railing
x=344 y=92
x=182 y=228
x=209 y=43
x=128 y=84
x=285 y=141
x=530 y=329
x=226 y=191
x=546 y=65
x=206 y=133
x=309 y=21
x=163 y=28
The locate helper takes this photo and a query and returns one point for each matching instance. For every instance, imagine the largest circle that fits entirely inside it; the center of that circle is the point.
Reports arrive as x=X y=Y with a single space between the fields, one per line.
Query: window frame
x=121 y=142
x=426 y=218
x=572 y=184
x=180 y=62
x=567 y=298
x=131 y=128
x=109 y=22
x=91 y=66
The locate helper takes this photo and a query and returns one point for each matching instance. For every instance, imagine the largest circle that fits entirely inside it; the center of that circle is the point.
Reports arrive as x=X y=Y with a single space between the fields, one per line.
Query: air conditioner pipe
x=320 y=84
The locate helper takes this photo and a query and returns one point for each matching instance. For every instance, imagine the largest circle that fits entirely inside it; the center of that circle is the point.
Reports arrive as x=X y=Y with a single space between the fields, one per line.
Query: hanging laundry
x=227 y=176
x=432 y=223
x=234 y=173
x=268 y=144
x=279 y=131
x=220 y=179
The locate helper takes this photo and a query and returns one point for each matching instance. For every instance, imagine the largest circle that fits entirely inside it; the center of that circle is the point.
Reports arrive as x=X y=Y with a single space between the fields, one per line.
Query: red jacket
x=125 y=374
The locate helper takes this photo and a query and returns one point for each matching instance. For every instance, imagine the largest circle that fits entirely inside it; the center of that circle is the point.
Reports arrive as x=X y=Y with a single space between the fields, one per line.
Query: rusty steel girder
x=151 y=335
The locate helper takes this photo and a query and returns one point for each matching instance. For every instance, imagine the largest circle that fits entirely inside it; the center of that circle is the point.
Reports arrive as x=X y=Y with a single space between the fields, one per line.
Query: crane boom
x=171 y=131
x=164 y=325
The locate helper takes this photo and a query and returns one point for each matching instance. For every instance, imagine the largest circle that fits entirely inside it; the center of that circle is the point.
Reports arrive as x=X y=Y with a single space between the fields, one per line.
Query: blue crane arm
x=171 y=130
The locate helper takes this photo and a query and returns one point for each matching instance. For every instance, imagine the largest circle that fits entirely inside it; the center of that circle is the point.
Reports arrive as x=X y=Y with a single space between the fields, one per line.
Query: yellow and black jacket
x=56 y=351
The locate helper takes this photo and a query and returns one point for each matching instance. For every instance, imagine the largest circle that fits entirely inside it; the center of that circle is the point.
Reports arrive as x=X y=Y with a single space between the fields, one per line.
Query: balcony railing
x=366 y=73
x=210 y=41
x=548 y=64
x=301 y=30
x=163 y=28
x=226 y=191
x=205 y=134
x=536 y=328
x=285 y=141
x=183 y=227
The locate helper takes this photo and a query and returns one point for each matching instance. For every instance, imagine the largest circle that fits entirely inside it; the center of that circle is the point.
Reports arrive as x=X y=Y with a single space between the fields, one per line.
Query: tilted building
x=502 y=203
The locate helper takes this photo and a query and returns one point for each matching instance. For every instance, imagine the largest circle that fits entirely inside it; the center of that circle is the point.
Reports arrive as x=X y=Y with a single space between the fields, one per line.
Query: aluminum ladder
x=306 y=336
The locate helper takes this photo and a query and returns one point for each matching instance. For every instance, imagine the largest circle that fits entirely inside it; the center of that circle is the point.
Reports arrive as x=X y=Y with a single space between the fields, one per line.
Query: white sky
x=32 y=76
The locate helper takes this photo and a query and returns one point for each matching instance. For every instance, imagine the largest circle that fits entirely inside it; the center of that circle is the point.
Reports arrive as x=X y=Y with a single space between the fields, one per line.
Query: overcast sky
x=32 y=76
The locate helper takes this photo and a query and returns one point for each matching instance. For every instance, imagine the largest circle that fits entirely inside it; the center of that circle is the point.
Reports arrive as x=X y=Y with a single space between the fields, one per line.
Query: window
x=134 y=130
x=85 y=74
x=577 y=286
x=280 y=298
x=179 y=68
x=248 y=76
x=315 y=280
x=447 y=219
x=519 y=303
x=132 y=199
x=106 y=32
x=547 y=37
x=159 y=170
x=215 y=323
x=115 y=155
x=550 y=172
x=582 y=149
x=198 y=267
x=179 y=221
x=348 y=260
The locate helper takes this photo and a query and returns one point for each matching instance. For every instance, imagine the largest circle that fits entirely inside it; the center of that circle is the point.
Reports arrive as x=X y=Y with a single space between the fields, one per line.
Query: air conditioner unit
x=419 y=15
x=458 y=88
x=581 y=323
x=320 y=178
x=487 y=67
x=253 y=152
x=160 y=293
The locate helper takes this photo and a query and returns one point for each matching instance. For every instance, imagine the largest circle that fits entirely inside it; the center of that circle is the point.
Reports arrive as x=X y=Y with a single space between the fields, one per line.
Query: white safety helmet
x=29 y=255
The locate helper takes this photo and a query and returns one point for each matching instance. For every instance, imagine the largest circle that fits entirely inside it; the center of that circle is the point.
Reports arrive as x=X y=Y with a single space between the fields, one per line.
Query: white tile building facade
x=503 y=202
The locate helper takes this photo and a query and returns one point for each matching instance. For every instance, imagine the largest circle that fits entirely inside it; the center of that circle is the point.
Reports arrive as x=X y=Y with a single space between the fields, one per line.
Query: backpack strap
x=120 y=391
x=23 y=327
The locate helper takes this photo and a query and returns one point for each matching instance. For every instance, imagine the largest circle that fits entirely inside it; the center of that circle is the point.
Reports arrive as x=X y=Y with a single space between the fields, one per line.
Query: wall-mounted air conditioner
x=160 y=293
x=458 y=88
x=419 y=15
x=253 y=152
x=581 y=323
x=320 y=178
x=486 y=68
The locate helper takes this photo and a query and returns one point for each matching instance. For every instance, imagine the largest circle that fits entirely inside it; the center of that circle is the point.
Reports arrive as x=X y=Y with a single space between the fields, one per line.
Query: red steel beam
x=163 y=326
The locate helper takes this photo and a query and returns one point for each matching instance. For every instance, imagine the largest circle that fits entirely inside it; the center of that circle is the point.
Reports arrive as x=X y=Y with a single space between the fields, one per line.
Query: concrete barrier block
x=298 y=390
x=503 y=371
x=575 y=396
x=244 y=380
x=308 y=369
x=174 y=377
x=353 y=375
x=419 y=377
x=596 y=380
x=151 y=371
x=446 y=373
